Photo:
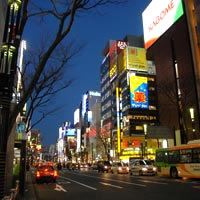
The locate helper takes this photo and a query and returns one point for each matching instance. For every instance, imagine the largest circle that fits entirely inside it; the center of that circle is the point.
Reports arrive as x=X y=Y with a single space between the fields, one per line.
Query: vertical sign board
x=139 y=92
x=113 y=60
x=158 y=17
x=116 y=48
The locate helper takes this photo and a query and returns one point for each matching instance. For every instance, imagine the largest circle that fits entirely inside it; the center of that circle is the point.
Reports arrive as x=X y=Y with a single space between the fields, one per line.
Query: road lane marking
x=129 y=183
x=59 y=188
x=196 y=187
x=92 y=188
x=148 y=181
x=108 y=184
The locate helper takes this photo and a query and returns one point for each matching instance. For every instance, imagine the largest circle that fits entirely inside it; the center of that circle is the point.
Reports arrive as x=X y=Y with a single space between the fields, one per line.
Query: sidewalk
x=29 y=192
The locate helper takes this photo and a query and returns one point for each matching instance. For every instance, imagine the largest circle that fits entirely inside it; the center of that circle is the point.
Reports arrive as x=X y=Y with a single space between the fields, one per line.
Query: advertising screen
x=139 y=92
x=158 y=17
x=136 y=59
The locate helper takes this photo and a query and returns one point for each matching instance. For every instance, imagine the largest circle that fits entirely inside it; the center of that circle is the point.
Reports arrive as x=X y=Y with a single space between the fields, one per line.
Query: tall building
x=89 y=99
x=128 y=97
x=172 y=36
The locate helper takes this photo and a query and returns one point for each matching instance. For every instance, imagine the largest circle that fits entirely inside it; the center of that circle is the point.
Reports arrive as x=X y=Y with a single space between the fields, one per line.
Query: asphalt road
x=91 y=185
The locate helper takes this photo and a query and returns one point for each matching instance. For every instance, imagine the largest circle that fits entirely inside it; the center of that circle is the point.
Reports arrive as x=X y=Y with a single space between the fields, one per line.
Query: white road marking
x=129 y=183
x=111 y=185
x=148 y=181
x=60 y=188
x=196 y=187
x=92 y=188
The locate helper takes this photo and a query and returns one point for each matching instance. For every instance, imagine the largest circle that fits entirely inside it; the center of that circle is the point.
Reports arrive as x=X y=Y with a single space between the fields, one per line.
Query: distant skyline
x=95 y=30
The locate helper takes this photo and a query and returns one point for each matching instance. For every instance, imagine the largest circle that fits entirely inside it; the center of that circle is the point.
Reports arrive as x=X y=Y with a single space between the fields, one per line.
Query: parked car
x=46 y=173
x=119 y=168
x=103 y=166
x=142 y=167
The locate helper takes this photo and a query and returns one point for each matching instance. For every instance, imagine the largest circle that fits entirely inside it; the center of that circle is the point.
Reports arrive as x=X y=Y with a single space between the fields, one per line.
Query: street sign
x=21 y=128
x=159 y=132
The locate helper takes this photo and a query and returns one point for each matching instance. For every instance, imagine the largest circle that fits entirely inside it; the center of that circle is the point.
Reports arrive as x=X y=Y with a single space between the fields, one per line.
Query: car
x=142 y=167
x=94 y=166
x=46 y=173
x=103 y=166
x=119 y=168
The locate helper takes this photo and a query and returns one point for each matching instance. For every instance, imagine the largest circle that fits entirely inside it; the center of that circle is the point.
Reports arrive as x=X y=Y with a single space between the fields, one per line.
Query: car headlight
x=144 y=169
x=127 y=168
x=154 y=169
x=119 y=168
x=105 y=167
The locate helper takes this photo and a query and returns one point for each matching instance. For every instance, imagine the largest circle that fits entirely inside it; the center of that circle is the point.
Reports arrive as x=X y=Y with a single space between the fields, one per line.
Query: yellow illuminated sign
x=121 y=61
x=136 y=58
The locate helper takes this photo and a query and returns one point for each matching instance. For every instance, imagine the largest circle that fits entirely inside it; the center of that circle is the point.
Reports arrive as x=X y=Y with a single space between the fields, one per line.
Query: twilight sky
x=94 y=30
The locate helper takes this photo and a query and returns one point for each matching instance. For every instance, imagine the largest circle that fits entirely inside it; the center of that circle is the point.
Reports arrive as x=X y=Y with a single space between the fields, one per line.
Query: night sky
x=94 y=30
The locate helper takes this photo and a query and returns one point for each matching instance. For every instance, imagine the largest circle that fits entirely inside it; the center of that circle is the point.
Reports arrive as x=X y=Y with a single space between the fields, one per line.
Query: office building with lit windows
x=128 y=97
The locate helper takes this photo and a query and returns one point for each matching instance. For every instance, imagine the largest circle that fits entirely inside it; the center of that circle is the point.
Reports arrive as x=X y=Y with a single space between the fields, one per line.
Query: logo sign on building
x=120 y=46
x=136 y=59
x=139 y=92
x=158 y=17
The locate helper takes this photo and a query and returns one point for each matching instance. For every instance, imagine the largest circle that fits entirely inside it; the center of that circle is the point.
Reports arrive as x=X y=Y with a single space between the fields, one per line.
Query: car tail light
x=37 y=174
x=46 y=169
x=55 y=173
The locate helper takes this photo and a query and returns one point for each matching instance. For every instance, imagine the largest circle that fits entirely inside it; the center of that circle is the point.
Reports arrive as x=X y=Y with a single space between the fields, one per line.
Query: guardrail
x=13 y=193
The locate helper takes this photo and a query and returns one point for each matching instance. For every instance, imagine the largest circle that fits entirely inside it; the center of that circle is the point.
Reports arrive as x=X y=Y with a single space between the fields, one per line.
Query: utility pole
x=8 y=66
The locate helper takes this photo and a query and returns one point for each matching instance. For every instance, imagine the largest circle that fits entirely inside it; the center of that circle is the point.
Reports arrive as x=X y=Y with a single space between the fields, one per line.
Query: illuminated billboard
x=113 y=60
x=77 y=116
x=121 y=61
x=158 y=17
x=70 y=132
x=136 y=59
x=139 y=92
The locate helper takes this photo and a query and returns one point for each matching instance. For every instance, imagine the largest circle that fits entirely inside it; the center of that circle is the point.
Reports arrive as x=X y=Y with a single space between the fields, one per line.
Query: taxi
x=46 y=173
x=119 y=168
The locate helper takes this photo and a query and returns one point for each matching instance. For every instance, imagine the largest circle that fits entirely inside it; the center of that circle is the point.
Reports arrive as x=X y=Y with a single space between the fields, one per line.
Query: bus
x=179 y=161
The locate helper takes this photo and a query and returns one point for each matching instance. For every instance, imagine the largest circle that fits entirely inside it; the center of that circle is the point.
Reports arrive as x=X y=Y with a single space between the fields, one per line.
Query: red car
x=46 y=174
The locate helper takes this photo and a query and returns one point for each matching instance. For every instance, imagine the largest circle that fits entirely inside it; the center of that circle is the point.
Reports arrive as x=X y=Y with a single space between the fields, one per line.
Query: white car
x=142 y=167
x=119 y=168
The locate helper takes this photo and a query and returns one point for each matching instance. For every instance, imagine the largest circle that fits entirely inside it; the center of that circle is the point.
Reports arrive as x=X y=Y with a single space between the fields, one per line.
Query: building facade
x=128 y=96
x=172 y=42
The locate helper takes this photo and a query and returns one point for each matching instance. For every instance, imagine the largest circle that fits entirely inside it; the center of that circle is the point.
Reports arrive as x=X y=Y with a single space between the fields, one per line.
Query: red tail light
x=37 y=174
x=55 y=173
x=46 y=169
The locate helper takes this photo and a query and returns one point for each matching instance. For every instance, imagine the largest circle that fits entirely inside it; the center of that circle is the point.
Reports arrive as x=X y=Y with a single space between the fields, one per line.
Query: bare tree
x=63 y=13
x=171 y=98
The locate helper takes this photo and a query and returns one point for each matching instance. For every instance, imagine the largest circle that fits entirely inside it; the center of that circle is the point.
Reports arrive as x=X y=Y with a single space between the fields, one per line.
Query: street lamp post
x=145 y=139
x=193 y=124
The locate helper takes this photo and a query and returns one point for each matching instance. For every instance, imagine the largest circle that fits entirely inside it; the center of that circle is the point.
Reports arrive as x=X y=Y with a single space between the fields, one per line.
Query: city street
x=89 y=184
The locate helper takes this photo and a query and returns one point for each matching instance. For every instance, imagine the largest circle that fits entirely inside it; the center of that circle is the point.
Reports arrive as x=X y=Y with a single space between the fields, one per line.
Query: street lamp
x=145 y=138
x=193 y=125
